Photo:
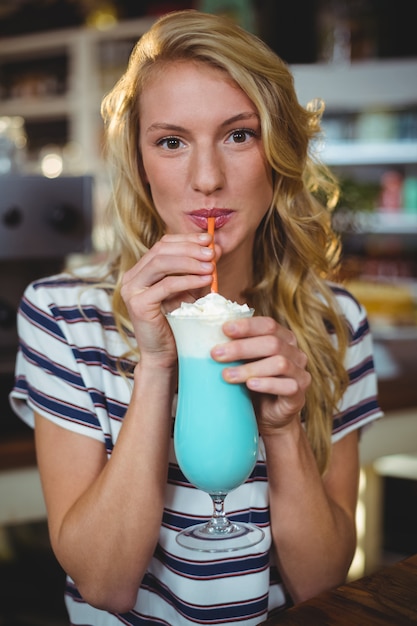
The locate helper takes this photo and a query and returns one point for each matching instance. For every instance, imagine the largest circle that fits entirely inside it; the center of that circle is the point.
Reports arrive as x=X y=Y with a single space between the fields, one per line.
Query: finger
x=285 y=387
x=259 y=347
x=276 y=366
x=258 y=325
x=282 y=386
x=146 y=302
x=158 y=267
x=169 y=244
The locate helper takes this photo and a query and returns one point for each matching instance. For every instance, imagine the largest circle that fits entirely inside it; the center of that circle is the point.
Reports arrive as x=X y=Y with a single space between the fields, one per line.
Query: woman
x=204 y=122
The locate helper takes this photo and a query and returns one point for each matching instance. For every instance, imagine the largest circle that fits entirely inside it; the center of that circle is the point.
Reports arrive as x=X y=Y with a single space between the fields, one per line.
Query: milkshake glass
x=215 y=433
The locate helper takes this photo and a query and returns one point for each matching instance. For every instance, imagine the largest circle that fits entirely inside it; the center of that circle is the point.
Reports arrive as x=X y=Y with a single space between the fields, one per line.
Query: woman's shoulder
x=70 y=300
x=348 y=305
x=345 y=298
x=82 y=275
x=83 y=285
x=353 y=312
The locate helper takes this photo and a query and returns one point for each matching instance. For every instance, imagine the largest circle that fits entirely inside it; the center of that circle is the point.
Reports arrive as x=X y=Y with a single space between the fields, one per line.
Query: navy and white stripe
x=68 y=370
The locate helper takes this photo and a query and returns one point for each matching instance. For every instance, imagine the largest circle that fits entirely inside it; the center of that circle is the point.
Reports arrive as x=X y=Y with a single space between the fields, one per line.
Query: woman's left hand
x=273 y=367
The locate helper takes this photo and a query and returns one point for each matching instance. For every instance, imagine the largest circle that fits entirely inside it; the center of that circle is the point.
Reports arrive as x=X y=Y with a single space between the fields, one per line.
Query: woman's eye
x=242 y=135
x=170 y=143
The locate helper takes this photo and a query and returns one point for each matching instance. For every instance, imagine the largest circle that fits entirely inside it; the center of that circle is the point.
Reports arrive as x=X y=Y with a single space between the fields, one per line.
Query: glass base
x=226 y=537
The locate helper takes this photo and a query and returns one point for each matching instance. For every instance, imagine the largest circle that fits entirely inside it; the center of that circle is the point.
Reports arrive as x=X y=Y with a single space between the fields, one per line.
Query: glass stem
x=219 y=521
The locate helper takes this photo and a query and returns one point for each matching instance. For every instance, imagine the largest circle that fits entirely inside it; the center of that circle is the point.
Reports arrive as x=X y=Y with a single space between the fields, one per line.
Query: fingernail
x=231 y=373
x=208 y=252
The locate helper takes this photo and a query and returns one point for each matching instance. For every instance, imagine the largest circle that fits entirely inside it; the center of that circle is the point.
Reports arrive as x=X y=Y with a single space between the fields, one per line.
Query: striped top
x=68 y=371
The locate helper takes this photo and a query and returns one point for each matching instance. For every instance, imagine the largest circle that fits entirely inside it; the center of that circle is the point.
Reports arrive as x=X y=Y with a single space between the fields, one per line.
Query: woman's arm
x=313 y=519
x=104 y=516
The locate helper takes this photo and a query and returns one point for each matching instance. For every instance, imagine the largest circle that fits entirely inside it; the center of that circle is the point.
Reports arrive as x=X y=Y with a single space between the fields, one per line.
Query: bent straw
x=210 y=229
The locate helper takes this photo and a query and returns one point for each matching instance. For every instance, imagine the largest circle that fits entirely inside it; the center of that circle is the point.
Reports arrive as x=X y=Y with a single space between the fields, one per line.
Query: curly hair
x=295 y=253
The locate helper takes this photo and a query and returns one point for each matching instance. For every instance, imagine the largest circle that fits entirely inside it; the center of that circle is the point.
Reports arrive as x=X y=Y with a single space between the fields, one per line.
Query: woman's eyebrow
x=166 y=126
x=241 y=117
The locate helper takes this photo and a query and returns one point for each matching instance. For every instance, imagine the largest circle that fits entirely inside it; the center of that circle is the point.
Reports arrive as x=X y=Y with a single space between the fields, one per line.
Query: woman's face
x=202 y=152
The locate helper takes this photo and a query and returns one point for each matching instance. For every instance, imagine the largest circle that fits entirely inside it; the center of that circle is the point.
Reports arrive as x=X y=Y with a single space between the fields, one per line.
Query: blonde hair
x=295 y=250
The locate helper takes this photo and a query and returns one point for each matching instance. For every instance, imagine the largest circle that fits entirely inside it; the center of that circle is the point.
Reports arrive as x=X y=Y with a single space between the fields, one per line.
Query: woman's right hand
x=177 y=268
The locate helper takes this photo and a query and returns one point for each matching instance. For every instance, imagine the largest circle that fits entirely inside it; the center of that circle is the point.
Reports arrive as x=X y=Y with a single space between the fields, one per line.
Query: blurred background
x=57 y=60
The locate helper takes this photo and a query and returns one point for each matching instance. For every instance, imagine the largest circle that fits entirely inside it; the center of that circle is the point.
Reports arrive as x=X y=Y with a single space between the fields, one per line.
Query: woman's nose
x=207 y=172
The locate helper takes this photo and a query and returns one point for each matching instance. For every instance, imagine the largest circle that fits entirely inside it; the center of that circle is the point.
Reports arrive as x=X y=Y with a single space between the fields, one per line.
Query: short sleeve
x=359 y=405
x=65 y=369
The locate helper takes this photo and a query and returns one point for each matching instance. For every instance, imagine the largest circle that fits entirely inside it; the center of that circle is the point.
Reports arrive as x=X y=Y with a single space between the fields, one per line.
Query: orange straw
x=210 y=229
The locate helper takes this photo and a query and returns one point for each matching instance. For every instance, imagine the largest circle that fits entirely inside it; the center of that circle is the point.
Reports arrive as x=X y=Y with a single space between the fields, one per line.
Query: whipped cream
x=211 y=305
x=197 y=326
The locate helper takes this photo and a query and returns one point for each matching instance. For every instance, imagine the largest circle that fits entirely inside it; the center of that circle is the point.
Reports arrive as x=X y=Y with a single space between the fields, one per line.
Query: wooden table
x=388 y=597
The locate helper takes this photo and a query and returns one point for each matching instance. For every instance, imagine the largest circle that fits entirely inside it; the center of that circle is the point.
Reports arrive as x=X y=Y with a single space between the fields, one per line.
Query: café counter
x=387 y=597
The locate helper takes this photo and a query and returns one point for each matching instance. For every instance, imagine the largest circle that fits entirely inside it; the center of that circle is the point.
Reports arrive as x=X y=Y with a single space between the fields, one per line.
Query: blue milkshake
x=215 y=433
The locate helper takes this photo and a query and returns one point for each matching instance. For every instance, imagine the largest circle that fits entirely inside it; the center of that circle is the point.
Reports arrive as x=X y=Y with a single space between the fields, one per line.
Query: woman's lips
x=199 y=217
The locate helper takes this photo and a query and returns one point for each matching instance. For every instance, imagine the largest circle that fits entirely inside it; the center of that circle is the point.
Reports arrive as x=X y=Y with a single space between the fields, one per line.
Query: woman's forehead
x=187 y=85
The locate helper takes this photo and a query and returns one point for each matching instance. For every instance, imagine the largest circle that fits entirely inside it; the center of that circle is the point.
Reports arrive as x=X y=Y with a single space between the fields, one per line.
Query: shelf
x=375 y=223
x=392 y=223
x=81 y=88
x=37 y=108
x=394 y=333
x=378 y=84
x=40 y=43
x=372 y=153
